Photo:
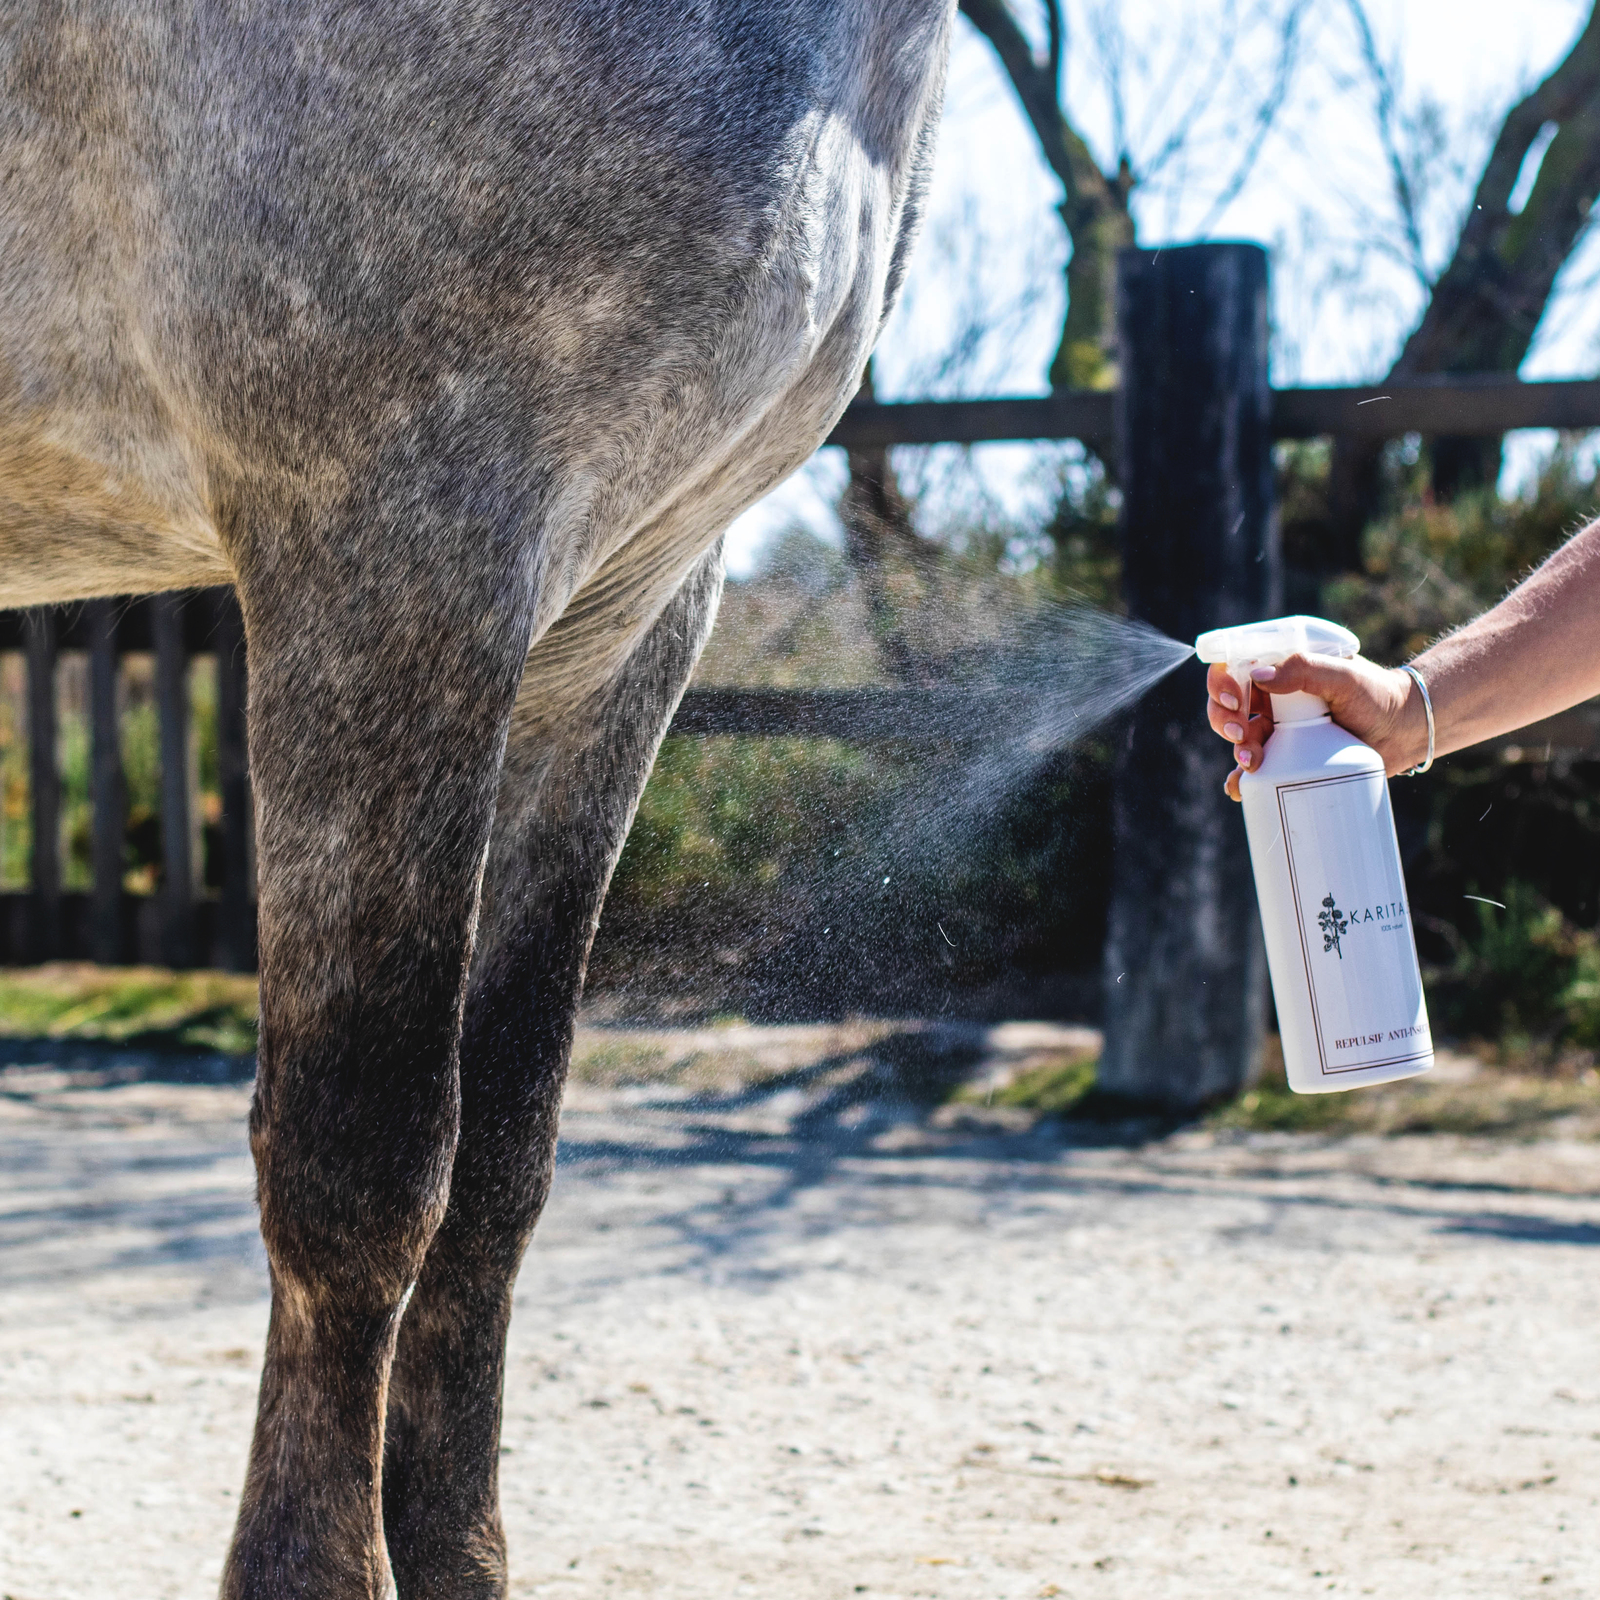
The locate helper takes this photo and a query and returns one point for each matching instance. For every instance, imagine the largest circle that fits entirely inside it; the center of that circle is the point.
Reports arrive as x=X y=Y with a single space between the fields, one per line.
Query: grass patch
x=1056 y=1086
x=621 y=1063
x=147 y=1008
x=1273 y=1107
x=1491 y=1104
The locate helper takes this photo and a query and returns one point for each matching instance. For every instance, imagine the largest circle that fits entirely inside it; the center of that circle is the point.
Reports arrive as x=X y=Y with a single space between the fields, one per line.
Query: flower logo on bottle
x=1334 y=926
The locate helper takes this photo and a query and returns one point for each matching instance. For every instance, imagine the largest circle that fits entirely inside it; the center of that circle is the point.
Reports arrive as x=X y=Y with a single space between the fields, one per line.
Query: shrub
x=1524 y=976
x=1430 y=567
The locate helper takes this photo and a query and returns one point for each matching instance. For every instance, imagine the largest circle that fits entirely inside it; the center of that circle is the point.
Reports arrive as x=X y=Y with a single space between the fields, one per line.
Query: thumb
x=1327 y=677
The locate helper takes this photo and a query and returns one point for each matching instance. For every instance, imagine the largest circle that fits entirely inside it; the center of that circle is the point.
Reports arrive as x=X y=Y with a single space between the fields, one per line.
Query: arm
x=1534 y=654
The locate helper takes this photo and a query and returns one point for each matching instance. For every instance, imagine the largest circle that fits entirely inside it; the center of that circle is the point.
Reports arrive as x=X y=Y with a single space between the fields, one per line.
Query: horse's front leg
x=568 y=794
x=383 y=670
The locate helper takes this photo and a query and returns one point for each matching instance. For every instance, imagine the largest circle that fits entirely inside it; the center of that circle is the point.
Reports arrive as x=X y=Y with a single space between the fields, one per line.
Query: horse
x=453 y=333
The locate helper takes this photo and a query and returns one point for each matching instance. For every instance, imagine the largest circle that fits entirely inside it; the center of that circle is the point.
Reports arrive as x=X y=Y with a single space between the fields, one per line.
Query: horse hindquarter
x=444 y=329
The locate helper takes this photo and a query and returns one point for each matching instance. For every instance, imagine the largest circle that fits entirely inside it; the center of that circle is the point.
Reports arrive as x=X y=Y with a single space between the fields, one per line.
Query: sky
x=982 y=306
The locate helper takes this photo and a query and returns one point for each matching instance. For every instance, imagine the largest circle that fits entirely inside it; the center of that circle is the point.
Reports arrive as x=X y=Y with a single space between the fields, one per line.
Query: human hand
x=1379 y=705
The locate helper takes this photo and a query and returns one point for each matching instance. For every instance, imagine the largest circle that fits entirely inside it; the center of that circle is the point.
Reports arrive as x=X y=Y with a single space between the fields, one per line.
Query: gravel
x=797 y=1334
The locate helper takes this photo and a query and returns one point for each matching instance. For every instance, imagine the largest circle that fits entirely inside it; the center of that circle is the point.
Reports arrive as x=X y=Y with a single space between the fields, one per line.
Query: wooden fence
x=186 y=923
x=181 y=924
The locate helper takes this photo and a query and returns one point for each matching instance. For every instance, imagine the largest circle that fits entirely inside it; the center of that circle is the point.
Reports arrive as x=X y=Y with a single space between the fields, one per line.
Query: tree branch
x=1056 y=21
x=1488 y=301
x=1266 y=115
x=1064 y=148
x=1398 y=176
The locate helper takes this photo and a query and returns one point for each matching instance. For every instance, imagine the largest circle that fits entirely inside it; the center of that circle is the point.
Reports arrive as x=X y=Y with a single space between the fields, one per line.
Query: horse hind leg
x=567 y=799
x=378 y=714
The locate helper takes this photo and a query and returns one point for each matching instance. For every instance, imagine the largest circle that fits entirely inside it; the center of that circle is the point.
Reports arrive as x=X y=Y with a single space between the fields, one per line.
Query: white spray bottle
x=1333 y=902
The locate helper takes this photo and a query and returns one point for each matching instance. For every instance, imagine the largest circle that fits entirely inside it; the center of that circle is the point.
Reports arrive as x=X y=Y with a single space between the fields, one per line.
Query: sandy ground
x=789 y=1335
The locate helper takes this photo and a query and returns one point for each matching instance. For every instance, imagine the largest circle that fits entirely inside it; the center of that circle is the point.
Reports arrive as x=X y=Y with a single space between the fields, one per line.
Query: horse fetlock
x=445 y=1543
x=283 y=1550
x=441 y=1474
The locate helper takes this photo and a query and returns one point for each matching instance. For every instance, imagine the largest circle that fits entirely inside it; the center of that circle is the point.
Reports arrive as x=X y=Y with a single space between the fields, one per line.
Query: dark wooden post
x=172 y=710
x=236 y=933
x=44 y=778
x=1185 y=965
x=108 y=798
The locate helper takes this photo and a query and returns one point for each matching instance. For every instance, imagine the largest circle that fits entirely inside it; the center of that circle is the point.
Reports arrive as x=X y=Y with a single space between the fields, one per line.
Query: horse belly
x=101 y=491
x=77 y=521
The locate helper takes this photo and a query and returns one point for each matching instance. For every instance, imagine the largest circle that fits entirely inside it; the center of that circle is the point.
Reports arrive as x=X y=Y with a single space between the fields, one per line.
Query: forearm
x=1534 y=654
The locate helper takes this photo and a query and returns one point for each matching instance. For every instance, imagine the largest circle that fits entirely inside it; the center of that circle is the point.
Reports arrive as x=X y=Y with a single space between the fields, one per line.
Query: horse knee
x=353 y=1185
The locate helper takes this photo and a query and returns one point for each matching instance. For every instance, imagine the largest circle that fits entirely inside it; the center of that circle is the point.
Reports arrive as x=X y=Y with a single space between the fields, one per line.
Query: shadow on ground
x=142 y=1058
x=716 y=1176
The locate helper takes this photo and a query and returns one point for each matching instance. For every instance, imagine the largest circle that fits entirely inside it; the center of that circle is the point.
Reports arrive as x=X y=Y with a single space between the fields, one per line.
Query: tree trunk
x=1094 y=208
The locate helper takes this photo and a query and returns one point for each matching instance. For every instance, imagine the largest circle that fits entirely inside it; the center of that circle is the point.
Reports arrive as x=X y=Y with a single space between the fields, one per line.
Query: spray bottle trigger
x=1239 y=671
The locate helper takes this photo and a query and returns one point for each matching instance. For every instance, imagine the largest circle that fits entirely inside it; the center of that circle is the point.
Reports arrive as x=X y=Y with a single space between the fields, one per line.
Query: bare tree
x=1095 y=210
x=1096 y=205
x=1484 y=307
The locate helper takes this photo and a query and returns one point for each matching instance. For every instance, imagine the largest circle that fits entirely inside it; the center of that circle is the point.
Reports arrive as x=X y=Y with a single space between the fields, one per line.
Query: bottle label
x=1354 y=922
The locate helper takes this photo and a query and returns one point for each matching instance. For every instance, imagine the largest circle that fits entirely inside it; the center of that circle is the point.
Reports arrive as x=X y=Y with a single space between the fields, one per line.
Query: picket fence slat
x=172 y=710
x=44 y=780
x=236 y=932
x=107 y=791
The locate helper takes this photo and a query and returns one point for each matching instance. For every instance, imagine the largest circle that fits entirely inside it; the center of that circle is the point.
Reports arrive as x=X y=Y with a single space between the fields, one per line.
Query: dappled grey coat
x=453 y=332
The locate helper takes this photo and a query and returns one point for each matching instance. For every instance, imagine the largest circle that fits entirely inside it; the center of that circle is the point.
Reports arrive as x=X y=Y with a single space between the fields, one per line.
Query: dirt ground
x=786 y=1331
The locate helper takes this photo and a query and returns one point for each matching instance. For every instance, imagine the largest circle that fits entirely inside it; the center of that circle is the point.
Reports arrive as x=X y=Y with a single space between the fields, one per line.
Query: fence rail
x=868 y=715
x=182 y=924
x=1453 y=403
x=872 y=716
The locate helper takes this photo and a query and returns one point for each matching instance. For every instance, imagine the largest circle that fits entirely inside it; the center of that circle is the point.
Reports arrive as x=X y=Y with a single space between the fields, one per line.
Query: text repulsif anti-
x=1340 y=946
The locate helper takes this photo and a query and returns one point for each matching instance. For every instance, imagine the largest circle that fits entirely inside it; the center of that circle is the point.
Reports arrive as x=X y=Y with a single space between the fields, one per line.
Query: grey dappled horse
x=454 y=332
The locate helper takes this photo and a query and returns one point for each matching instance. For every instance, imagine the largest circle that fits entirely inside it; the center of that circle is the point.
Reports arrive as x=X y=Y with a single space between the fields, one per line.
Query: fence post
x=1185 y=967
x=44 y=780
x=236 y=931
x=108 y=800
x=172 y=712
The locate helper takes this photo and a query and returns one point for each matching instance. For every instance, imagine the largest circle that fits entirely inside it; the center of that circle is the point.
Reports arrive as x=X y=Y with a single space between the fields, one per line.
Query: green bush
x=1513 y=969
x=1523 y=978
x=1430 y=567
x=764 y=875
x=733 y=816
